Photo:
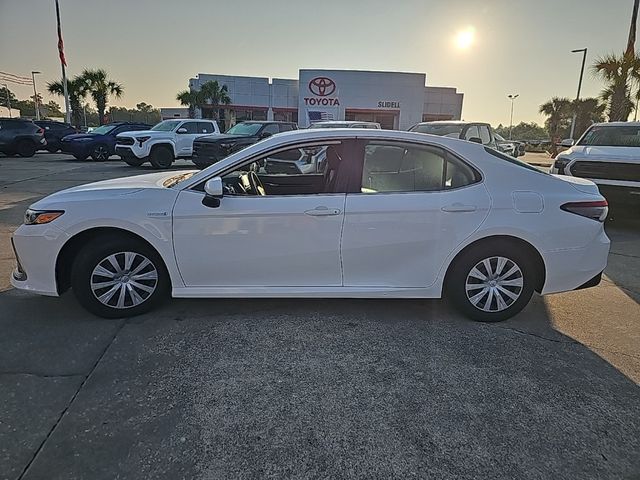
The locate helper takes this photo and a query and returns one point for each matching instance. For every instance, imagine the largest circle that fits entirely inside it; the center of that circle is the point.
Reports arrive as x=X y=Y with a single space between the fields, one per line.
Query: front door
x=289 y=237
x=417 y=204
x=184 y=141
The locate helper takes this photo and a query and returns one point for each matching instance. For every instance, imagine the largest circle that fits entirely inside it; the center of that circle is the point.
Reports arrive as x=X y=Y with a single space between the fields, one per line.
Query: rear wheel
x=119 y=278
x=52 y=149
x=26 y=148
x=161 y=157
x=100 y=153
x=491 y=282
x=134 y=161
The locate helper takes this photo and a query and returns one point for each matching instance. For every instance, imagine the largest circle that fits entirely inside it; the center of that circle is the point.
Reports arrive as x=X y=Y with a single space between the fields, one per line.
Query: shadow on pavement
x=308 y=388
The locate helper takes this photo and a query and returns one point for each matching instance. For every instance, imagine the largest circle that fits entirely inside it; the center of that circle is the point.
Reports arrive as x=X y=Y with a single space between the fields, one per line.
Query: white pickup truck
x=609 y=155
x=164 y=143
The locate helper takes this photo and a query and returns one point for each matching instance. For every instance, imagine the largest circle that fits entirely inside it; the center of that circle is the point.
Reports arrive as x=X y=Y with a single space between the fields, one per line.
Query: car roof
x=451 y=122
x=265 y=121
x=616 y=124
x=344 y=122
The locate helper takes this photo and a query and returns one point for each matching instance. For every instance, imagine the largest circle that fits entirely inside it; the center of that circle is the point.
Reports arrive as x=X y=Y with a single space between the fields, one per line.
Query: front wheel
x=491 y=283
x=161 y=157
x=118 y=278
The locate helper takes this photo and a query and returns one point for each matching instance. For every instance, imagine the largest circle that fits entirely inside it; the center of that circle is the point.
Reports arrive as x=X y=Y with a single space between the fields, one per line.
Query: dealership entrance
x=388 y=119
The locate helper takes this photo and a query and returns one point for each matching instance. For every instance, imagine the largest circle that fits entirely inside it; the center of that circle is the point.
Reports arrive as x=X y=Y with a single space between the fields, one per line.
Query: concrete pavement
x=307 y=388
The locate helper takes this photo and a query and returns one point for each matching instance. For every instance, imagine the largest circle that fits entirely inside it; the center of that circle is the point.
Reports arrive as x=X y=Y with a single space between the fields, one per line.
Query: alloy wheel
x=100 y=153
x=124 y=280
x=494 y=284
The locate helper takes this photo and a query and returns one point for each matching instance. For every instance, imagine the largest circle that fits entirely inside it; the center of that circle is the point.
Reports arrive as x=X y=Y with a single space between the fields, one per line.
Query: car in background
x=344 y=124
x=510 y=147
x=210 y=149
x=20 y=136
x=390 y=215
x=164 y=143
x=54 y=132
x=609 y=155
x=477 y=132
x=99 y=143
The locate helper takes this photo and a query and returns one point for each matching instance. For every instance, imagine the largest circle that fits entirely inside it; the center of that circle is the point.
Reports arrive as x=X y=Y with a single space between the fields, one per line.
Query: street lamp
x=584 y=58
x=512 y=97
x=6 y=91
x=35 y=94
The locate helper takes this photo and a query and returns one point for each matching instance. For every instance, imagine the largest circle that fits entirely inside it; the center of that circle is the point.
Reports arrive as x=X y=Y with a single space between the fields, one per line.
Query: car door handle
x=322 y=212
x=459 y=207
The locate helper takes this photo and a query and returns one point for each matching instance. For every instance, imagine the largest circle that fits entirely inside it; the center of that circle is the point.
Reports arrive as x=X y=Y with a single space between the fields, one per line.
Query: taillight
x=40 y=131
x=594 y=210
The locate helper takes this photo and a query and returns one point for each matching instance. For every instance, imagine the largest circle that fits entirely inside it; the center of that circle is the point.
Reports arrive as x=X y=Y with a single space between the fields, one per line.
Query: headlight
x=40 y=217
x=560 y=164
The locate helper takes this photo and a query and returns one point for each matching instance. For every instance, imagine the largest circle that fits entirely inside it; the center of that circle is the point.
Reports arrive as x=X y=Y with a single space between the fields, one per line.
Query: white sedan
x=378 y=214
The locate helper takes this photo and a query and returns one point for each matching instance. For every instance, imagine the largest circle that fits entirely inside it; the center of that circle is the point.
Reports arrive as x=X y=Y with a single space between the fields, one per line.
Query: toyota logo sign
x=322 y=86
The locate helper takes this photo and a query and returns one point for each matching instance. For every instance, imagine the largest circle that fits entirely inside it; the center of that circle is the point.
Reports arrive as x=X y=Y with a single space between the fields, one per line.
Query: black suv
x=20 y=136
x=53 y=133
x=210 y=149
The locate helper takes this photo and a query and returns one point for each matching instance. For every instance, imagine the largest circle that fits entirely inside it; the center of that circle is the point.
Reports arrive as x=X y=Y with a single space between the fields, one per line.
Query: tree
x=77 y=90
x=6 y=94
x=100 y=87
x=620 y=74
x=210 y=93
x=524 y=131
x=144 y=107
x=51 y=109
x=587 y=111
x=558 y=111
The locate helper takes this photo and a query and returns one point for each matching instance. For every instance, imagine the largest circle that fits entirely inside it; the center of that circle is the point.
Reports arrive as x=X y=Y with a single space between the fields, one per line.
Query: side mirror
x=213 y=191
x=476 y=140
x=567 y=142
x=182 y=130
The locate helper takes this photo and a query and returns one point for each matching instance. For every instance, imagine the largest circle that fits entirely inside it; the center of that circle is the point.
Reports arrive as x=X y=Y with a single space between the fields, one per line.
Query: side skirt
x=305 y=292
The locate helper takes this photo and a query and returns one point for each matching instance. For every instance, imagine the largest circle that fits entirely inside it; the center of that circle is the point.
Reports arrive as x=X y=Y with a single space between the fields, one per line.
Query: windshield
x=166 y=126
x=104 y=129
x=244 y=129
x=612 y=136
x=329 y=125
x=441 y=129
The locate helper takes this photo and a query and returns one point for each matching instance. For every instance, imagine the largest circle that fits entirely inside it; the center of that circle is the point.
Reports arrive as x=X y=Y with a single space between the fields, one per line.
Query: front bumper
x=36 y=248
x=127 y=152
x=77 y=148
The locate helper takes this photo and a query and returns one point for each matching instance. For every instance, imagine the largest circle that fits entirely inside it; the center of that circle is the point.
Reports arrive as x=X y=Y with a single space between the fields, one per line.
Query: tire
x=52 y=149
x=161 y=157
x=100 y=153
x=199 y=164
x=80 y=157
x=133 y=161
x=26 y=148
x=93 y=266
x=493 y=261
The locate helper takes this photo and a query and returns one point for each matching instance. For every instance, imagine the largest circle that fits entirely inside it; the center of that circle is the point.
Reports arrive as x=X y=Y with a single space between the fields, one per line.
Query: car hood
x=79 y=136
x=110 y=188
x=146 y=133
x=221 y=137
x=613 y=154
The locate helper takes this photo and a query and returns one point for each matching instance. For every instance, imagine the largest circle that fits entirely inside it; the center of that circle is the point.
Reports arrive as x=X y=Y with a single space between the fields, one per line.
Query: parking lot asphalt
x=314 y=388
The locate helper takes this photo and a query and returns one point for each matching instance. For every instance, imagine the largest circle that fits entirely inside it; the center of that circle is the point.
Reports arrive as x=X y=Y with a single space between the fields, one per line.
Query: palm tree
x=76 y=88
x=210 y=93
x=620 y=74
x=100 y=87
x=587 y=111
x=558 y=111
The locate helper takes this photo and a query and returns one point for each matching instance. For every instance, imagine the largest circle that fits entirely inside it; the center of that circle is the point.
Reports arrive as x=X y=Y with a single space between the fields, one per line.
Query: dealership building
x=393 y=99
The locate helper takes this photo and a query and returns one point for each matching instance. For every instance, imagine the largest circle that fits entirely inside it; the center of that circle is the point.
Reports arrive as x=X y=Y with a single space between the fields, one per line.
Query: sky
x=153 y=47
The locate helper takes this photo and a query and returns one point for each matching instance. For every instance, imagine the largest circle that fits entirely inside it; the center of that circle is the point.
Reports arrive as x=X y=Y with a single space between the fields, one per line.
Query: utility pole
x=573 y=120
x=35 y=94
x=512 y=97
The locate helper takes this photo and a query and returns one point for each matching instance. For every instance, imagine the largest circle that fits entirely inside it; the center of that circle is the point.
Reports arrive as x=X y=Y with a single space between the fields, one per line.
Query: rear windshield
x=510 y=159
x=612 y=136
x=442 y=130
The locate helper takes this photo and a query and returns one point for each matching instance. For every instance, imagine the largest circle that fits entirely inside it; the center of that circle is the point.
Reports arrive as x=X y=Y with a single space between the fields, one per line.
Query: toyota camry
x=374 y=213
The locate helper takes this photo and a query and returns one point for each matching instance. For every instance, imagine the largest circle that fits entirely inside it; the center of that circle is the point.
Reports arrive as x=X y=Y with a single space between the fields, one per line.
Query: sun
x=465 y=38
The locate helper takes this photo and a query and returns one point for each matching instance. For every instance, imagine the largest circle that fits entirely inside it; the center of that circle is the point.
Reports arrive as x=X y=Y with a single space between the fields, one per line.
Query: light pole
x=584 y=58
x=512 y=97
x=6 y=91
x=35 y=94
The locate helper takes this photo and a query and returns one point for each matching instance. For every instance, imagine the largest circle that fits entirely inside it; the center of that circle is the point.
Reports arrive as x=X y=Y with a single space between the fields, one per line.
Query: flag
x=63 y=60
x=317 y=116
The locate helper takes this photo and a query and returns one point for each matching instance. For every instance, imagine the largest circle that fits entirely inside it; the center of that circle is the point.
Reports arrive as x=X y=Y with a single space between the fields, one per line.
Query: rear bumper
x=572 y=269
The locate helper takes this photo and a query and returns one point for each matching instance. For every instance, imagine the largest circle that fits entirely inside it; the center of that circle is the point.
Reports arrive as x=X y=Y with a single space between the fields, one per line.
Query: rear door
x=417 y=203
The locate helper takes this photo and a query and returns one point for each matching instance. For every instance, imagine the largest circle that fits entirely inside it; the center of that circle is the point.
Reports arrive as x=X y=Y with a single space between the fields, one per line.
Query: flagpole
x=63 y=62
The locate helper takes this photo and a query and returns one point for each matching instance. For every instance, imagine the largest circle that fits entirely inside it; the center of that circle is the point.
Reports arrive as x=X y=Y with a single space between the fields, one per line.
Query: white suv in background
x=609 y=155
x=165 y=142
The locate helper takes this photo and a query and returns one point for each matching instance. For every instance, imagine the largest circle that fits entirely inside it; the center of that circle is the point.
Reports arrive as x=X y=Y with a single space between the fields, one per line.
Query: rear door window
x=205 y=127
x=485 y=135
x=471 y=132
